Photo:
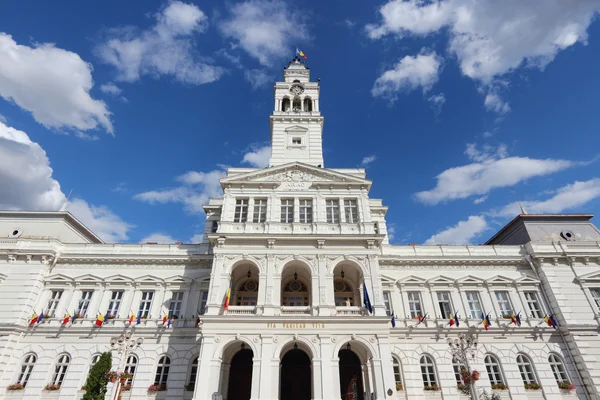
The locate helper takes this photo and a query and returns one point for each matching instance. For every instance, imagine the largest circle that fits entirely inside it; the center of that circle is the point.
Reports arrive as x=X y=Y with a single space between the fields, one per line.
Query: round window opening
x=568 y=235
x=16 y=232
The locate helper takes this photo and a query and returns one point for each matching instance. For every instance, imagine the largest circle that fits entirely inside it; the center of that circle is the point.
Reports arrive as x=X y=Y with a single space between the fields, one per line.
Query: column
x=262 y=292
x=73 y=301
x=127 y=302
x=213 y=307
x=96 y=301
x=267 y=378
x=386 y=369
x=269 y=286
x=157 y=299
x=330 y=373
x=208 y=371
x=255 y=390
x=314 y=290
x=317 y=372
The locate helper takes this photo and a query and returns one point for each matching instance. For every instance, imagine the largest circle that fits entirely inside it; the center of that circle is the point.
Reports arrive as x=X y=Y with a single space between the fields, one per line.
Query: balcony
x=295 y=310
x=241 y=310
x=350 y=310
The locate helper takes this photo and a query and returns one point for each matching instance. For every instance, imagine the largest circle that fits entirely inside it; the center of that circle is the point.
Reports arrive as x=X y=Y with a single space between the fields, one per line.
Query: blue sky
x=457 y=110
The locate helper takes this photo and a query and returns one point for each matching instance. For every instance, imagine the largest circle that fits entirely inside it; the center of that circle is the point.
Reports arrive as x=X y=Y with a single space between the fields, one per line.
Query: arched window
x=296 y=104
x=162 y=371
x=428 y=371
x=307 y=104
x=193 y=373
x=94 y=360
x=247 y=293
x=344 y=295
x=526 y=370
x=60 y=370
x=492 y=366
x=295 y=293
x=397 y=371
x=130 y=367
x=26 y=368
x=558 y=369
x=457 y=366
x=285 y=104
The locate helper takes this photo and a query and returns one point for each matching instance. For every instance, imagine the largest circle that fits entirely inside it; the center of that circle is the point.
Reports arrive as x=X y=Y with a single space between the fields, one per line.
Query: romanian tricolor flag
x=547 y=319
x=99 y=320
x=165 y=318
x=513 y=318
x=300 y=53
x=485 y=320
x=451 y=320
x=33 y=319
x=66 y=319
x=131 y=318
x=227 y=298
x=422 y=318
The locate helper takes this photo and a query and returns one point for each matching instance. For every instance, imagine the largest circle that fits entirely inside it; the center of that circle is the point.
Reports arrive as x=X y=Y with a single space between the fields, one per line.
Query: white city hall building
x=299 y=244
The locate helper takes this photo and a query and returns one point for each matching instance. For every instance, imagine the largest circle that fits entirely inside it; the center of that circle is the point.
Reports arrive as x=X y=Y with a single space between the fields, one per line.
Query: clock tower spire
x=296 y=123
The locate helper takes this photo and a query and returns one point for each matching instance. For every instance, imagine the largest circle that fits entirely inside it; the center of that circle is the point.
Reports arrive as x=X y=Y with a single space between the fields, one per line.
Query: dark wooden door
x=240 y=376
x=296 y=380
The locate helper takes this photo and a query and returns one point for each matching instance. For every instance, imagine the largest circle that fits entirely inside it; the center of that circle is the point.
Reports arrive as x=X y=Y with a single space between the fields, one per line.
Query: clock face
x=296 y=89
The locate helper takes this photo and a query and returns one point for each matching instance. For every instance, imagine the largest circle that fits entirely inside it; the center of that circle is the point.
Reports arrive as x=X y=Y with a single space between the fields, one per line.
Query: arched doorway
x=240 y=376
x=295 y=376
x=351 y=381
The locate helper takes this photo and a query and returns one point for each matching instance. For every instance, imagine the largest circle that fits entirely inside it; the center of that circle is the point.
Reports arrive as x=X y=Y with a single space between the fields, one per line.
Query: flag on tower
x=300 y=53
x=366 y=299
x=66 y=318
x=227 y=297
x=34 y=319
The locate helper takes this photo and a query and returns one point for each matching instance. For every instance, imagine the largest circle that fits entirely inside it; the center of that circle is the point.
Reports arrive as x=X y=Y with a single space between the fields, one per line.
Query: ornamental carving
x=322 y=295
x=294 y=176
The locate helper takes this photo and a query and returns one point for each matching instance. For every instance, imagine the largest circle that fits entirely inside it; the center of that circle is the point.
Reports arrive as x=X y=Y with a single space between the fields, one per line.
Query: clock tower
x=296 y=123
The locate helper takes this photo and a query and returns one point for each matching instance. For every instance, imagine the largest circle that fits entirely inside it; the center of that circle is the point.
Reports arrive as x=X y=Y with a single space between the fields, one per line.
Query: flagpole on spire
x=64 y=206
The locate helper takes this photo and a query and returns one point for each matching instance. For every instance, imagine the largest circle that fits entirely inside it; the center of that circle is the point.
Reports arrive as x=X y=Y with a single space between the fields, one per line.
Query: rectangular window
x=145 y=304
x=387 y=303
x=504 y=303
x=115 y=302
x=296 y=140
x=534 y=305
x=175 y=304
x=474 y=304
x=203 y=300
x=332 y=207
x=84 y=302
x=260 y=210
x=351 y=211
x=596 y=296
x=53 y=302
x=445 y=304
x=214 y=227
x=414 y=304
x=241 y=210
x=306 y=211
x=287 y=211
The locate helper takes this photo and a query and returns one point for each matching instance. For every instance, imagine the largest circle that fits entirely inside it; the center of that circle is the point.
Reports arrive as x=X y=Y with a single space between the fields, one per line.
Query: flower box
x=399 y=386
x=126 y=387
x=532 y=386
x=16 y=386
x=432 y=388
x=157 y=388
x=52 y=388
x=499 y=386
x=566 y=385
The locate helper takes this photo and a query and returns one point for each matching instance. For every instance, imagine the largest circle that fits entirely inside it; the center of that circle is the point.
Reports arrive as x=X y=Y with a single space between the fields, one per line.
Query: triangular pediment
x=470 y=280
x=440 y=280
x=118 y=279
x=148 y=279
x=499 y=280
x=387 y=281
x=295 y=172
x=58 y=278
x=527 y=279
x=178 y=280
x=88 y=278
x=412 y=280
x=590 y=277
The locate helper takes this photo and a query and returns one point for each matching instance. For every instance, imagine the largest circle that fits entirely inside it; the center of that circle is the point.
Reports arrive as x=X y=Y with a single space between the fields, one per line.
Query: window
x=193 y=373
x=351 y=211
x=295 y=293
x=297 y=141
x=60 y=370
x=53 y=302
x=130 y=367
x=428 y=371
x=474 y=304
x=287 y=211
x=525 y=369
x=376 y=228
x=558 y=369
x=26 y=369
x=397 y=372
x=115 y=302
x=145 y=304
x=203 y=300
x=534 y=305
x=504 y=303
x=445 y=304
x=343 y=293
x=247 y=293
x=175 y=304
x=492 y=366
x=214 y=227
x=414 y=304
x=596 y=296
x=162 y=371
x=306 y=211
x=260 y=210
x=84 y=302
x=241 y=210
x=332 y=207
x=387 y=303
x=457 y=366
x=94 y=360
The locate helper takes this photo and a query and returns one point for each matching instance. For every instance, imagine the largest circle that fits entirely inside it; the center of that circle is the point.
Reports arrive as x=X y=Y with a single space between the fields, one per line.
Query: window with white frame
x=596 y=296
x=332 y=209
x=162 y=371
x=445 y=304
x=130 y=367
x=351 y=211
x=474 y=303
x=84 y=302
x=214 y=227
x=387 y=302
x=193 y=373
x=526 y=369
x=414 y=304
x=203 y=300
x=145 y=304
x=260 y=210
x=558 y=368
x=287 y=211
x=94 y=360
x=533 y=302
x=26 y=369
x=492 y=366
x=397 y=370
x=504 y=305
x=60 y=369
x=457 y=366
x=116 y=296
x=55 y=296
x=241 y=210
x=175 y=304
x=428 y=371
x=306 y=211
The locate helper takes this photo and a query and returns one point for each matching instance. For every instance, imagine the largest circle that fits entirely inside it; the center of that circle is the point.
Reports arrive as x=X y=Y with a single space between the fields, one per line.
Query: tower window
x=241 y=210
x=285 y=104
x=296 y=140
x=308 y=104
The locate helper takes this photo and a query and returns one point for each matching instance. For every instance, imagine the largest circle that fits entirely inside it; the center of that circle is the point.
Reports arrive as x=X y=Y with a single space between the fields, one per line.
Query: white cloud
x=368 y=160
x=492 y=169
x=437 y=101
x=110 y=88
x=391 y=232
x=194 y=192
x=409 y=74
x=349 y=23
x=258 y=156
x=265 y=29
x=159 y=238
x=3 y=119
x=461 y=233
x=167 y=48
x=258 y=78
x=493 y=102
x=488 y=134
x=565 y=198
x=197 y=238
x=120 y=188
x=51 y=83
x=27 y=184
x=480 y=200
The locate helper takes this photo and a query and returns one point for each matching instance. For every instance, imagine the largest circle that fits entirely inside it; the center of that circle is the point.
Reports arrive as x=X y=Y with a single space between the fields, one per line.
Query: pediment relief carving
x=295 y=176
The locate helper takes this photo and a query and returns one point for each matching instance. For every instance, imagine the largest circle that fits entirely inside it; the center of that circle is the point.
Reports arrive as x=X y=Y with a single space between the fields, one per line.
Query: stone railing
x=349 y=310
x=241 y=310
x=295 y=310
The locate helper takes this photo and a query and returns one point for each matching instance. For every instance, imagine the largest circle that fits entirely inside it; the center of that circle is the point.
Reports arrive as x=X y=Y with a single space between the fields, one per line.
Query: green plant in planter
x=566 y=385
x=95 y=385
x=499 y=386
x=532 y=386
x=433 y=388
x=16 y=386
x=399 y=386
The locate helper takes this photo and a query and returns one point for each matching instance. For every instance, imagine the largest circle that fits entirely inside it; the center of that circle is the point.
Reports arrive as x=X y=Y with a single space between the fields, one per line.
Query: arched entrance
x=295 y=376
x=240 y=376
x=351 y=377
